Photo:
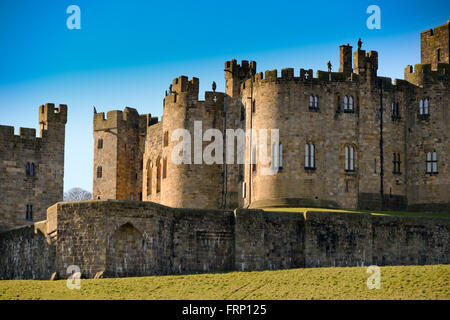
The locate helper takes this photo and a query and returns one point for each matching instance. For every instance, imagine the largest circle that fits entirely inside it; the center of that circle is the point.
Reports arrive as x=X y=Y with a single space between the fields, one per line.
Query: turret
x=52 y=120
x=345 y=54
x=435 y=45
x=235 y=74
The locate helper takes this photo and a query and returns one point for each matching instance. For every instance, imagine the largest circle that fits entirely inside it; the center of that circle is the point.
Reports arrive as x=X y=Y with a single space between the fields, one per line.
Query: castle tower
x=434 y=45
x=32 y=168
x=235 y=74
x=192 y=183
x=118 y=152
x=345 y=55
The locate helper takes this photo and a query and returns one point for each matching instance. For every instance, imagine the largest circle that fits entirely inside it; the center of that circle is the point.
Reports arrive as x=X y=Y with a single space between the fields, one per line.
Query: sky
x=128 y=52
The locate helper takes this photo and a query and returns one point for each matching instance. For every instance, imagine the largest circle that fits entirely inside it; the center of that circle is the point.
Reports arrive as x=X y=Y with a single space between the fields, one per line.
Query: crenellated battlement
x=422 y=74
x=7 y=133
x=303 y=76
x=116 y=118
x=183 y=84
x=49 y=114
x=240 y=71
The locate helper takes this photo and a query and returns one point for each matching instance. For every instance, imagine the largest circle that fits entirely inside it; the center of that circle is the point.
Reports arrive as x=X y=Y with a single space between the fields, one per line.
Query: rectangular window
x=166 y=138
x=309 y=156
x=396 y=163
x=164 y=168
x=431 y=162
x=29 y=212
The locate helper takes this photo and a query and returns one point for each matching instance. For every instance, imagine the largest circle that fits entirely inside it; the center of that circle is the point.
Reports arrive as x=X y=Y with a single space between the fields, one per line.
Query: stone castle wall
x=131 y=238
x=254 y=101
x=45 y=154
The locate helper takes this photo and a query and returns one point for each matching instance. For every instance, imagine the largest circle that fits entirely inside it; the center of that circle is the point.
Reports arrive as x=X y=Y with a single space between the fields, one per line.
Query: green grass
x=398 y=282
x=379 y=212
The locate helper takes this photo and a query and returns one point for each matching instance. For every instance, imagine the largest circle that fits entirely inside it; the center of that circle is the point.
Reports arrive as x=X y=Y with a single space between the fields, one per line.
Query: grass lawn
x=390 y=213
x=398 y=282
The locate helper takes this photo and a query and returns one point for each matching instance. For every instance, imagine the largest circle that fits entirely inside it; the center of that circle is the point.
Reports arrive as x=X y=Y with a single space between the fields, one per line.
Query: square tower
x=434 y=45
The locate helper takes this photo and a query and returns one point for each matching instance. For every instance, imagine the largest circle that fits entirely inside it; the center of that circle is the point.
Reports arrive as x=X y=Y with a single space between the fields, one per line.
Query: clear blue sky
x=128 y=52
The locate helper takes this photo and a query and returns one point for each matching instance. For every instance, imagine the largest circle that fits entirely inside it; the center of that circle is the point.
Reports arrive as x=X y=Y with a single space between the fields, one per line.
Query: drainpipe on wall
x=381 y=147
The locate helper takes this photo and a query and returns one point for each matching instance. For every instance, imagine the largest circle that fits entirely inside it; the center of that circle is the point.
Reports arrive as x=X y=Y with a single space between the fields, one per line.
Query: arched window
x=425 y=106
x=309 y=156
x=345 y=103
x=350 y=103
x=27 y=169
x=316 y=102
x=421 y=106
x=431 y=161
x=311 y=102
x=149 y=177
x=349 y=158
x=99 y=172
x=32 y=169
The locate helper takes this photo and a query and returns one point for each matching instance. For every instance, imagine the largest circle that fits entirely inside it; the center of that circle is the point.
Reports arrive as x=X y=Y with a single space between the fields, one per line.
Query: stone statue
x=359 y=44
x=329 y=66
x=214 y=86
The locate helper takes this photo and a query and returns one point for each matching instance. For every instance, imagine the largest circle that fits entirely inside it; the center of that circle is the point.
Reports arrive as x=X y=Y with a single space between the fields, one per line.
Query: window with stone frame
x=431 y=162
x=100 y=144
x=348 y=104
x=99 y=172
x=395 y=111
x=277 y=156
x=313 y=103
x=424 y=108
x=164 y=168
x=166 y=138
x=149 y=177
x=310 y=156
x=396 y=163
x=158 y=175
x=29 y=212
x=349 y=158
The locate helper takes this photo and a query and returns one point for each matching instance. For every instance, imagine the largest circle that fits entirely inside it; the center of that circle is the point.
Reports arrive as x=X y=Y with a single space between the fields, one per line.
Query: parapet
x=365 y=63
x=48 y=113
x=114 y=119
x=422 y=74
x=7 y=134
x=241 y=71
x=183 y=84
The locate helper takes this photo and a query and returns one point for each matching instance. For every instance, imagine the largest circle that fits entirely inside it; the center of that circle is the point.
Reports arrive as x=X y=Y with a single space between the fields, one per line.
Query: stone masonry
x=399 y=152
x=134 y=238
x=32 y=168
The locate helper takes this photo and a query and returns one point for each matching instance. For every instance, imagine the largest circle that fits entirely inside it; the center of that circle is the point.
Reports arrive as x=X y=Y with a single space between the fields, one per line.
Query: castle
x=347 y=139
x=337 y=147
